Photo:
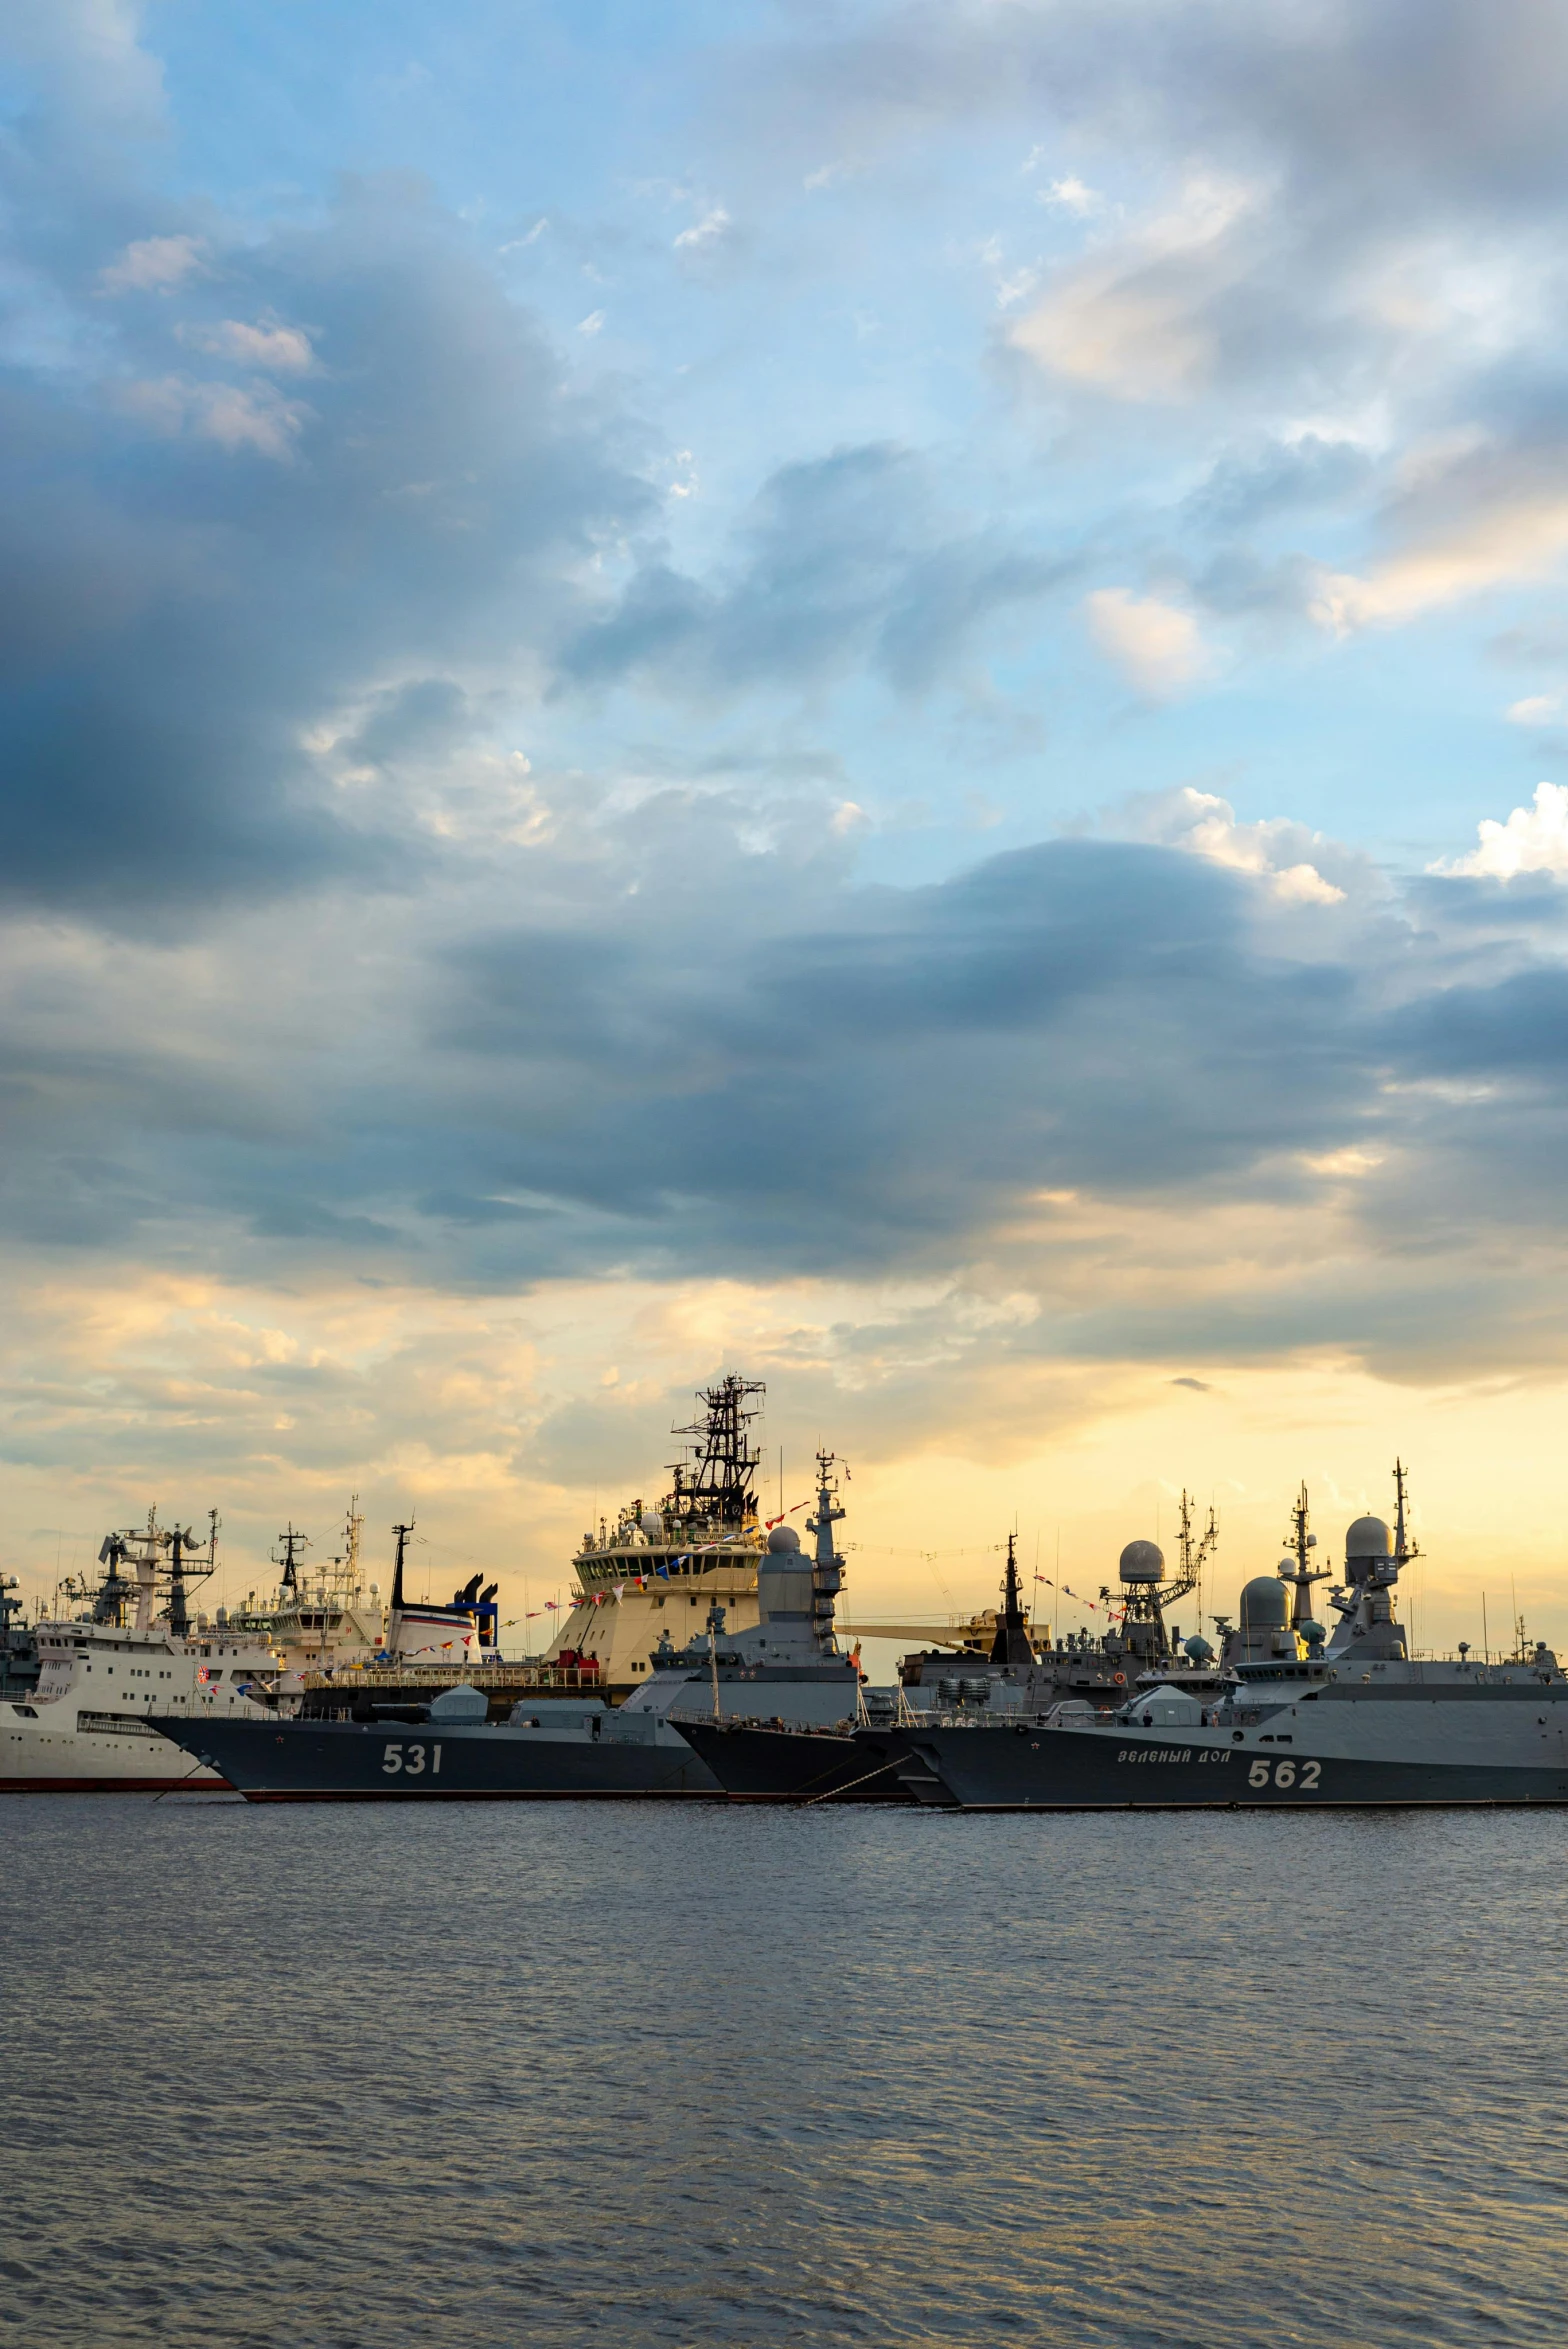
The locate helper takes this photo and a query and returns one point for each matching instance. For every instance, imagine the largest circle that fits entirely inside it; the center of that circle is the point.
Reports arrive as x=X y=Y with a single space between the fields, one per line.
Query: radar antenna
x=716 y=1485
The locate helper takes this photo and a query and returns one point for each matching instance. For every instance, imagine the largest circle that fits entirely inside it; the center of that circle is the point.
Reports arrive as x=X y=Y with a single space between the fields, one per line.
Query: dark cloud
x=1423 y=96
x=269 y=491
x=1093 y=1072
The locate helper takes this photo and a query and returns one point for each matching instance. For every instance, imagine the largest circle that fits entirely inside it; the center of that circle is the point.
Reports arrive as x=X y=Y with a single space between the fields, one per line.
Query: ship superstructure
x=658 y=1570
x=1139 y=1648
x=322 y=1615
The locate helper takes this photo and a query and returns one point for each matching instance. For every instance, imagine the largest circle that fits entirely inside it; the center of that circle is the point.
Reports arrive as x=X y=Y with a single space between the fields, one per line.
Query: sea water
x=535 y=2074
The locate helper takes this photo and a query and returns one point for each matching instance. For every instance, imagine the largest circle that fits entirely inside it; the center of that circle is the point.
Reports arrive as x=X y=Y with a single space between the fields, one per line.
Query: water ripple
x=314 y=2079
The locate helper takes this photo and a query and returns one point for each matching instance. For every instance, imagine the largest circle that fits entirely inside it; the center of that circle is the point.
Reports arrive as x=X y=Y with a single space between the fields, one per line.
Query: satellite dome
x=1143 y=1562
x=1197 y=1649
x=1265 y=1603
x=652 y=1523
x=1313 y=1633
x=1369 y=1537
x=783 y=1539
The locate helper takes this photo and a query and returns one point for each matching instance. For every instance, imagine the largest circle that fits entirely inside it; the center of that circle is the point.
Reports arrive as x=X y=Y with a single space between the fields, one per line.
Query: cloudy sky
x=877 y=694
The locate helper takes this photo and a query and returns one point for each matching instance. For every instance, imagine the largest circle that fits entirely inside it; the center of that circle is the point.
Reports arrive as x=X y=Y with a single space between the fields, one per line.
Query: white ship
x=85 y=1728
x=656 y=1572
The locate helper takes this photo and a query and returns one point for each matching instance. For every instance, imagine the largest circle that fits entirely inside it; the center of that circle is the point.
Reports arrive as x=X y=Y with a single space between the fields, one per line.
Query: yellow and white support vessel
x=659 y=1569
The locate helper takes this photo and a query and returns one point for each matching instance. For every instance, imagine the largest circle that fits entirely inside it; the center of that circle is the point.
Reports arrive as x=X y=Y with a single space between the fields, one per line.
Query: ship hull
x=344 y=1761
x=37 y=1757
x=1030 y=1767
x=759 y=1765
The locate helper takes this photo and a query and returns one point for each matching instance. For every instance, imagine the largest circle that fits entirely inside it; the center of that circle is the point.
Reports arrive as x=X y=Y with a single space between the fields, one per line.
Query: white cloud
x=1534 y=840
x=280 y=350
x=713 y=225
x=153 y=265
x=1537 y=709
x=1130 y=318
x=1157 y=646
x=1071 y=195
x=1202 y=824
x=593 y=323
x=1522 y=536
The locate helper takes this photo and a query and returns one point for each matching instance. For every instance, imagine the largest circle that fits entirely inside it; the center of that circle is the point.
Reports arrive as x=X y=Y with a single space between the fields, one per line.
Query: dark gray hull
x=348 y=1761
x=1028 y=1767
x=761 y=1765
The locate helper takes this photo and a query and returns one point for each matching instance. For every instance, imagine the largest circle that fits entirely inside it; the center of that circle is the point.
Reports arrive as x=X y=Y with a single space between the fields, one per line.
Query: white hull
x=47 y=1756
x=88 y=1726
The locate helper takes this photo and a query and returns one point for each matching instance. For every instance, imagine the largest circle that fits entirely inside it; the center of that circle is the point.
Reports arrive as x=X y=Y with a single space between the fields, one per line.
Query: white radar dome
x=782 y=1540
x=1369 y=1537
x=652 y=1523
x=1143 y=1562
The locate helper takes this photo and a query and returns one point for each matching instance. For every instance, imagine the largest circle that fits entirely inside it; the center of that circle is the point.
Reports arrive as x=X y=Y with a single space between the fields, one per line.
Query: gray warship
x=1304 y=1717
x=789 y=1668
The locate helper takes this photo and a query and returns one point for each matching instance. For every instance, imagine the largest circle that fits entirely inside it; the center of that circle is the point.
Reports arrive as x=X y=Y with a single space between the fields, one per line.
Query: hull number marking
x=1284 y=1774
x=410 y=1759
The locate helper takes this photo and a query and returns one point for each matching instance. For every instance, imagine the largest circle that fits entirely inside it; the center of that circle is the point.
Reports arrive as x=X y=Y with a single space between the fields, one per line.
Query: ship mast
x=1404 y=1548
x=716 y=1487
x=1011 y=1646
x=827 y=1577
x=291 y=1543
x=1298 y=1568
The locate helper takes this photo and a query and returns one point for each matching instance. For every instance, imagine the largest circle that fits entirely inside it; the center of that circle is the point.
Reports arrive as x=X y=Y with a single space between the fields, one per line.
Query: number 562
x=1284 y=1774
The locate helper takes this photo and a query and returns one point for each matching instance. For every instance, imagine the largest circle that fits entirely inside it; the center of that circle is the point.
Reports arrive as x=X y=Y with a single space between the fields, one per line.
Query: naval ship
x=787 y=1668
x=1305 y=1716
x=1021 y=1677
x=87 y=1724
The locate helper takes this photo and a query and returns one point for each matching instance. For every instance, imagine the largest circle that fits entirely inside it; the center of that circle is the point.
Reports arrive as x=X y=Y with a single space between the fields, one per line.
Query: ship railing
x=525 y=1676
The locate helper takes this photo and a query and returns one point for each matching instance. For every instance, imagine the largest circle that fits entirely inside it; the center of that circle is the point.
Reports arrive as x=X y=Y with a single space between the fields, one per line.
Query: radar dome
x=652 y=1523
x=1313 y=1633
x=1369 y=1537
x=1197 y=1649
x=1143 y=1562
x=1265 y=1603
x=783 y=1539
